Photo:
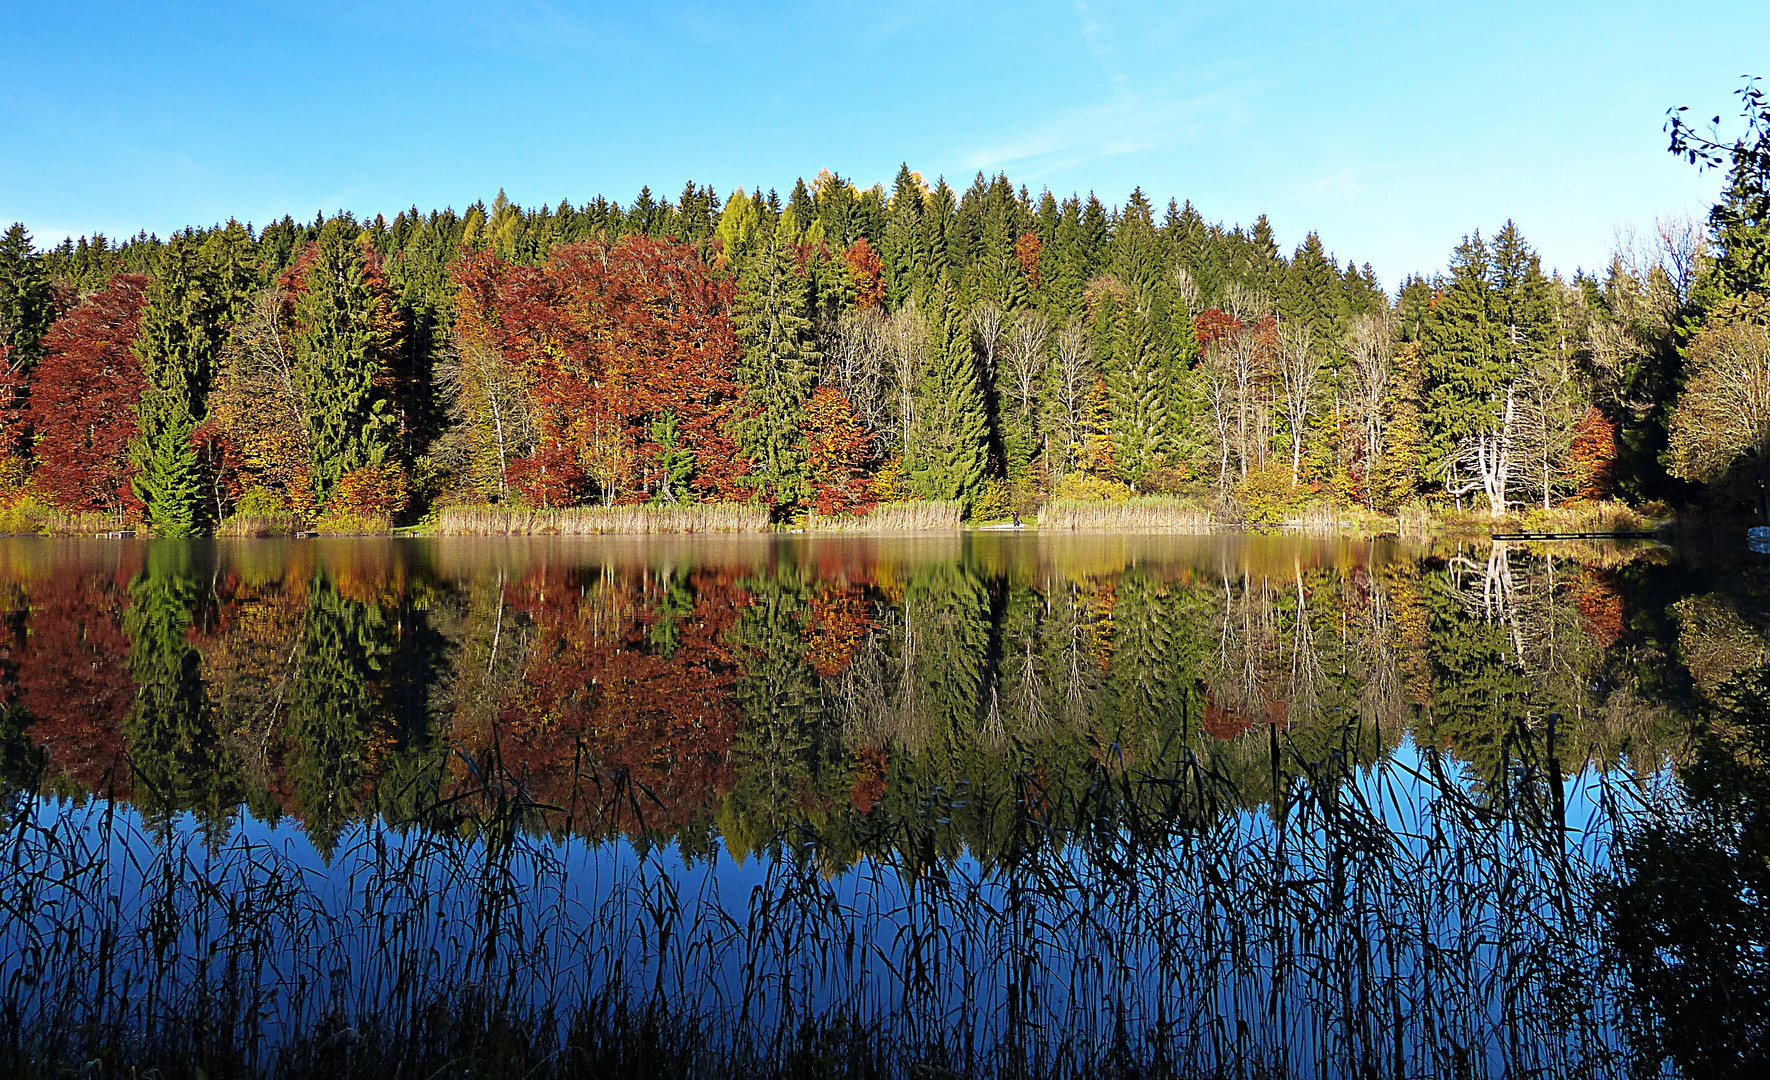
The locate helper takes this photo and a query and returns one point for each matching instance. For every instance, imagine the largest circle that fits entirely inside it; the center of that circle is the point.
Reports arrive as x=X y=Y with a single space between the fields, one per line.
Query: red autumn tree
x=1026 y=253
x=867 y=272
x=607 y=339
x=1213 y=325
x=1592 y=455
x=836 y=452
x=83 y=398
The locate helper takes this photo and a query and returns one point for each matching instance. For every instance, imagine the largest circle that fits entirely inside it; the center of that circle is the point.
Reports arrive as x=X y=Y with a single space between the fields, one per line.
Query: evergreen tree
x=780 y=359
x=345 y=331
x=1138 y=383
x=900 y=249
x=180 y=335
x=27 y=304
x=175 y=752
x=950 y=457
x=1464 y=358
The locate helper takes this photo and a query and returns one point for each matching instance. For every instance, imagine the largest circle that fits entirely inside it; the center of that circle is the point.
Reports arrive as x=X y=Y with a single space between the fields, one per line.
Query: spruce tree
x=779 y=363
x=344 y=333
x=1464 y=358
x=900 y=249
x=27 y=306
x=1138 y=383
x=175 y=752
x=951 y=451
x=179 y=337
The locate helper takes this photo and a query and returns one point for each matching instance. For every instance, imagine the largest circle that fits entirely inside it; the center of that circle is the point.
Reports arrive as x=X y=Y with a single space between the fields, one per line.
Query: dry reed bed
x=1148 y=514
x=929 y=516
x=1389 y=926
x=602 y=520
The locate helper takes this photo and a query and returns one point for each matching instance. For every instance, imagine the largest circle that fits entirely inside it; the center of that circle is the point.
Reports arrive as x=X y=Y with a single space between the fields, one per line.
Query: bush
x=1084 y=487
x=1267 y=497
x=993 y=503
x=369 y=493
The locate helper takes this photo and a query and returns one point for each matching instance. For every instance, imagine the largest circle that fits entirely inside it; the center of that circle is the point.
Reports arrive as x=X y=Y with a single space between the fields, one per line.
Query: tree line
x=846 y=346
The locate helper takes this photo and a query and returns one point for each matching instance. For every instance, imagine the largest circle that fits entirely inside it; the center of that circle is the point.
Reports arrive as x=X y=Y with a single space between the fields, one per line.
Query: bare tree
x=1483 y=461
x=906 y=335
x=1548 y=407
x=1246 y=304
x=1186 y=289
x=1028 y=334
x=1217 y=379
x=1070 y=377
x=1299 y=375
x=987 y=322
x=1370 y=345
x=858 y=358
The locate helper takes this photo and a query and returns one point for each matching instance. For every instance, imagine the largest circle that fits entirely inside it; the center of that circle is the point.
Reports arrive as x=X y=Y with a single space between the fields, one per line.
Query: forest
x=844 y=347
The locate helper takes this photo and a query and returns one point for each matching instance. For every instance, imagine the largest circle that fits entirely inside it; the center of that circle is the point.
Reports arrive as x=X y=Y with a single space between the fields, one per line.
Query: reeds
x=921 y=516
x=34 y=517
x=1147 y=514
x=1390 y=926
x=258 y=525
x=602 y=520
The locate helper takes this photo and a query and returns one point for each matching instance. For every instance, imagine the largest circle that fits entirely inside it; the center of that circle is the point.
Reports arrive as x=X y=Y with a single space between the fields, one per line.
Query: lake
x=981 y=804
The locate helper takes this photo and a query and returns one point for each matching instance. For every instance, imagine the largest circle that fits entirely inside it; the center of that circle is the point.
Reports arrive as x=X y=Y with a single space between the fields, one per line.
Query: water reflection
x=1165 y=805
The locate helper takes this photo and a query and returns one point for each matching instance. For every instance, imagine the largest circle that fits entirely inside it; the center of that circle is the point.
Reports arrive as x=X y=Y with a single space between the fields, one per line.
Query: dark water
x=1000 y=805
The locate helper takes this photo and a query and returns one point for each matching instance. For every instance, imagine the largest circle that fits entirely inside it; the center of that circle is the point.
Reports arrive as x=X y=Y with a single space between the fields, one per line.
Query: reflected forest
x=991 y=804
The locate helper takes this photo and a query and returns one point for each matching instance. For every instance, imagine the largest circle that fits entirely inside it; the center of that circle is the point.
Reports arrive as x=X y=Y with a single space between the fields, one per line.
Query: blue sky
x=1391 y=129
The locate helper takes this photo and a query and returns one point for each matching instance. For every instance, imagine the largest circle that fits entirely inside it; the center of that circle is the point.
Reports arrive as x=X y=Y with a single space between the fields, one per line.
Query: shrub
x=1085 y=487
x=1267 y=497
x=371 y=492
x=993 y=503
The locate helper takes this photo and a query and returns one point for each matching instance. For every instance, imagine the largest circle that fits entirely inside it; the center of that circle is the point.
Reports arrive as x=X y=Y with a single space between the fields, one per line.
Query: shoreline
x=1153 y=516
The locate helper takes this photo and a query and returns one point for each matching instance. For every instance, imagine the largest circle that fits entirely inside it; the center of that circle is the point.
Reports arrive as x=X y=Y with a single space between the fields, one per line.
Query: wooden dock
x=1575 y=536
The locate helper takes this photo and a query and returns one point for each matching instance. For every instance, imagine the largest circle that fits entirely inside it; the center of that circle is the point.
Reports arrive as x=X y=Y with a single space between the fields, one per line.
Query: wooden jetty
x=1574 y=536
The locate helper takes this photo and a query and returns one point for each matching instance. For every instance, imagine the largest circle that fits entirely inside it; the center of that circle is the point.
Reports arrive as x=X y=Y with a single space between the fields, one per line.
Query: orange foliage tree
x=1026 y=253
x=83 y=397
x=867 y=273
x=837 y=449
x=610 y=338
x=1592 y=455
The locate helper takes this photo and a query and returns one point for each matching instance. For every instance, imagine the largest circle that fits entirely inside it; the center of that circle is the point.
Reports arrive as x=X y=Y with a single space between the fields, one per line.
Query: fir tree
x=951 y=452
x=175 y=751
x=27 y=305
x=1465 y=365
x=779 y=363
x=1138 y=383
x=180 y=336
x=344 y=333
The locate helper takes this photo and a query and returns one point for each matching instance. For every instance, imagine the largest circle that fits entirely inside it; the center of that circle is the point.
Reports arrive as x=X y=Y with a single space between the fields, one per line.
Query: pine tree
x=344 y=333
x=1465 y=364
x=951 y=450
x=175 y=752
x=27 y=305
x=780 y=358
x=1138 y=385
x=180 y=335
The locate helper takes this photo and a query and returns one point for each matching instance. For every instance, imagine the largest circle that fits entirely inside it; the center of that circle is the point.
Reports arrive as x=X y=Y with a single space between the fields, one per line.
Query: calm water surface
x=994 y=804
